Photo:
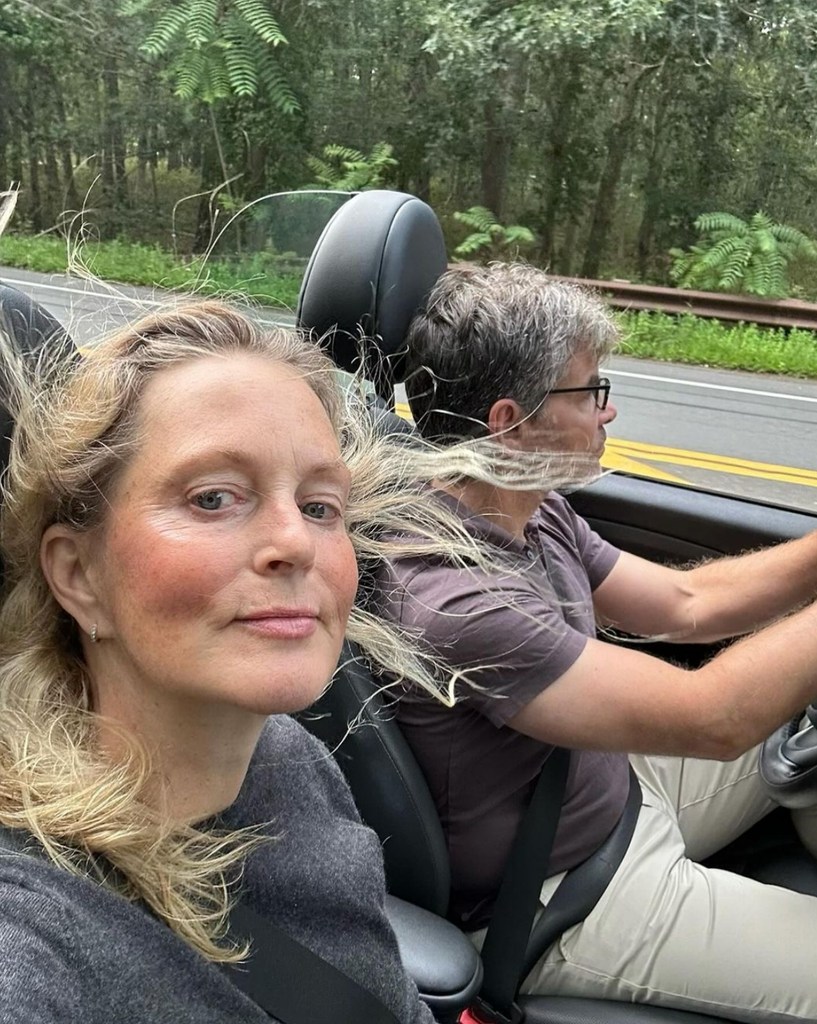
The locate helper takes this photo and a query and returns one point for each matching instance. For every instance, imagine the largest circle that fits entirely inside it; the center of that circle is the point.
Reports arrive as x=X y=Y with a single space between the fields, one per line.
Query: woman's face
x=224 y=572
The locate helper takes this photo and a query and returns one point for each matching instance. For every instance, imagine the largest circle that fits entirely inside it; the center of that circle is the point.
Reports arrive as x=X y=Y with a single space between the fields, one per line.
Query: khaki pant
x=670 y=931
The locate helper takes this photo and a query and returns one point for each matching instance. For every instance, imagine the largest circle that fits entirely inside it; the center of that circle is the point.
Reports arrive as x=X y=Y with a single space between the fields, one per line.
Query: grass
x=271 y=280
x=256 y=276
x=690 y=339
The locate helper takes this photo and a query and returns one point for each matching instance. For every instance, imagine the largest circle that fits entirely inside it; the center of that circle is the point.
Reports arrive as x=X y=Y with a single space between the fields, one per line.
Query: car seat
x=370 y=271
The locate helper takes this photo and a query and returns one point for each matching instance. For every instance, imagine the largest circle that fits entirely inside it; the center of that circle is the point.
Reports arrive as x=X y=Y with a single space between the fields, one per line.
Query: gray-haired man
x=505 y=351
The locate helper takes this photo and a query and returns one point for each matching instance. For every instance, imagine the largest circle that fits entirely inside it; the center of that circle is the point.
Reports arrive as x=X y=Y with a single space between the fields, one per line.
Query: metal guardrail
x=785 y=313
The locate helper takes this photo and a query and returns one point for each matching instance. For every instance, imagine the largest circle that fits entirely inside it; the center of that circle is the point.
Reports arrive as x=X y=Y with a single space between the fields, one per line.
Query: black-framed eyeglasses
x=601 y=392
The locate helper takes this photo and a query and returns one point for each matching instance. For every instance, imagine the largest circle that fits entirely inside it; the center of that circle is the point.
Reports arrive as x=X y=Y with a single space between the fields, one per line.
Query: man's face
x=571 y=422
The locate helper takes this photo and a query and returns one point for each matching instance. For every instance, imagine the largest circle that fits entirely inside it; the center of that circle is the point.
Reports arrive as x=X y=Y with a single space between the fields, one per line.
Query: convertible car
x=372 y=264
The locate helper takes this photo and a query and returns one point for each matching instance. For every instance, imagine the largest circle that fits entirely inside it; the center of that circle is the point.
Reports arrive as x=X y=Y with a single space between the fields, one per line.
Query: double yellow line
x=646 y=460
x=637 y=457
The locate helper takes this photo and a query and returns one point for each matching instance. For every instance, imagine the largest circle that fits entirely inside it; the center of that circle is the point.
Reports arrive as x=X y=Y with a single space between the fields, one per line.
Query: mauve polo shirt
x=512 y=634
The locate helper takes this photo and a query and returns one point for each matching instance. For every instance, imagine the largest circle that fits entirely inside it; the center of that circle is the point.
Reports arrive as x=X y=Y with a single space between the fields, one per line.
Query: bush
x=741 y=346
x=273 y=281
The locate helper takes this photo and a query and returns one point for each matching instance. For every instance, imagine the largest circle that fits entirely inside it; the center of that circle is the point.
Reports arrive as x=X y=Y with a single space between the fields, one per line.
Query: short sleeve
x=500 y=635
x=597 y=555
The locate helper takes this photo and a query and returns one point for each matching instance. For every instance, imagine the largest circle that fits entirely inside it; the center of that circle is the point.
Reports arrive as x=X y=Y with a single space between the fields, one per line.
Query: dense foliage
x=604 y=126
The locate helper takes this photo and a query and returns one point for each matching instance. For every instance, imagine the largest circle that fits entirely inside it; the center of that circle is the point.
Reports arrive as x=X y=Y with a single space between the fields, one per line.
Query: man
x=504 y=351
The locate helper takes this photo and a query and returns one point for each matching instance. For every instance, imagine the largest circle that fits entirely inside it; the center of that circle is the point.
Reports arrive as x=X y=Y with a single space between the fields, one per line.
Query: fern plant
x=218 y=48
x=489 y=239
x=743 y=256
x=349 y=170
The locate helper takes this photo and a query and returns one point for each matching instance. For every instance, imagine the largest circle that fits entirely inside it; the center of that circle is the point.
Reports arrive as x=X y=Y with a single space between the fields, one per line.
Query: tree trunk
x=210 y=179
x=70 y=195
x=496 y=151
x=5 y=125
x=617 y=140
x=653 y=193
x=53 y=199
x=115 y=136
x=555 y=155
x=32 y=152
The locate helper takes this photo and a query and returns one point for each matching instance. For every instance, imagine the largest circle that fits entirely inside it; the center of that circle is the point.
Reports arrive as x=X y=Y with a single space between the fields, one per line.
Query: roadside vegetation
x=691 y=339
x=260 y=276
x=601 y=138
x=273 y=281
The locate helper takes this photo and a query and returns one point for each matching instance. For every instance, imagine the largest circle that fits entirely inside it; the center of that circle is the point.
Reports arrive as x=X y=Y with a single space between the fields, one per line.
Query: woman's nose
x=287 y=542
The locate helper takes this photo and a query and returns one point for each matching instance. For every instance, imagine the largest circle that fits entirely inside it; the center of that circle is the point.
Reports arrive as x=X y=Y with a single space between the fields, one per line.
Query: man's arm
x=615 y=698
x=722 y=598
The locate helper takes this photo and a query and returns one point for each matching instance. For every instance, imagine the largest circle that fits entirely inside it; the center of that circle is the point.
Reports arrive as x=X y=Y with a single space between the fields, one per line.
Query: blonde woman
x=182 y=515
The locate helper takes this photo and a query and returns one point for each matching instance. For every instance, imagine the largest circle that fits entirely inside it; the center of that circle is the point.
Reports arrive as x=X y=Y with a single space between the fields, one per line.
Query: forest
x=603 y=128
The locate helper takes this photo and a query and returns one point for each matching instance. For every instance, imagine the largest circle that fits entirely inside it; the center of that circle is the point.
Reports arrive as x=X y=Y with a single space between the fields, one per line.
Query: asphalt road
x=749 y=434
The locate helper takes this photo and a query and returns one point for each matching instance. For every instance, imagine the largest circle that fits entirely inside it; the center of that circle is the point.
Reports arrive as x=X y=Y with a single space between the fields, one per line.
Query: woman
x=179 y=534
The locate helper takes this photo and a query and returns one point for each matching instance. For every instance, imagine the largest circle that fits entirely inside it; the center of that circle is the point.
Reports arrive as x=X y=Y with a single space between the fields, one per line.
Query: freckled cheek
x=340 y=574
x=169 y=577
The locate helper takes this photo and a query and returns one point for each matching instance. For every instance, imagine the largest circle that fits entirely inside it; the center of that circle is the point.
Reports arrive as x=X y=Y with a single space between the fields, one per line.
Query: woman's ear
x=64 y=558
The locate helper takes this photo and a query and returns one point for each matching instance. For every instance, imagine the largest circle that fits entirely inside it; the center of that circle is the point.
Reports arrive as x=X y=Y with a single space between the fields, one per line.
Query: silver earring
x=92 y=633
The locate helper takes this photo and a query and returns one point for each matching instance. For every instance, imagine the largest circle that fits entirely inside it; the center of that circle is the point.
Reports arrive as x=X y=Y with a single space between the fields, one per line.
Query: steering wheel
x=788 y=762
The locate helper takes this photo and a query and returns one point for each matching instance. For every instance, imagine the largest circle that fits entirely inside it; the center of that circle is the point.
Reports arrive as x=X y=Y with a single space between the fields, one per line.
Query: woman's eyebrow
x=206 y=458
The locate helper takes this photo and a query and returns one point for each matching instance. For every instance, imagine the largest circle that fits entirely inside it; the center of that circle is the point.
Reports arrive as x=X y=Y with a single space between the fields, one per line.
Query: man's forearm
x=732 y=596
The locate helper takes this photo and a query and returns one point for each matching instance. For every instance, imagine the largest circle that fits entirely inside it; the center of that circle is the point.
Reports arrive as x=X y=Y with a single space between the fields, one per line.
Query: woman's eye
x=319 y=510
x=213 y=501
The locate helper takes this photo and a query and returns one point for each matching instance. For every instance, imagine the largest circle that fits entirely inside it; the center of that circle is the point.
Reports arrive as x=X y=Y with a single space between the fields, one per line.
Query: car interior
x=371 y=268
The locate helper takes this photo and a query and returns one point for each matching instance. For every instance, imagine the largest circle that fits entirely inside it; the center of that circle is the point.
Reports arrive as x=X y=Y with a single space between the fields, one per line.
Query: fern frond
x=478 y=217
x=189 y=72
x=258 y=18
x=241 y=69
x=725 y=250
x=518 y=234
x=727 y=222
x=167 y=28
x=473 y=243
x=201 y=22
x=273 y=82
x=800 y=243
x=216 y=79
x=342 y=154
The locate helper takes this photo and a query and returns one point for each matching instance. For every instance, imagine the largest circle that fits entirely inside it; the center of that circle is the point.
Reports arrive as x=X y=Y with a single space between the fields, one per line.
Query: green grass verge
x=134 y=263
x=684 y=339
x=690 y=339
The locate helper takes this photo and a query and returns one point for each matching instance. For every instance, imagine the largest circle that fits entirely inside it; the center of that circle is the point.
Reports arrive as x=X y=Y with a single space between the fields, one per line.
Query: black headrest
x=372 y=268
x=29 y=327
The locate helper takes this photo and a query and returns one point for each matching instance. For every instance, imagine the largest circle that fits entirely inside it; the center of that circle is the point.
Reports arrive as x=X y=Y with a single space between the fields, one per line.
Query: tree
x=218 y=50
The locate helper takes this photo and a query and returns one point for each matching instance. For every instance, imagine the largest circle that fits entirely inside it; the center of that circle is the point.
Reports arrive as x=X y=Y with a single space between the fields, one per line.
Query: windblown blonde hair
x=76 y=427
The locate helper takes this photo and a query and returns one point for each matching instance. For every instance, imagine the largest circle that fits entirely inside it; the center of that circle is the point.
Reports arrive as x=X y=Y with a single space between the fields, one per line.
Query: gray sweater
x=72 y=951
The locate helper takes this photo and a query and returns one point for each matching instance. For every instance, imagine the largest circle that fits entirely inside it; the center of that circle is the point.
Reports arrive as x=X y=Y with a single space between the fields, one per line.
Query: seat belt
x=287 y=980
x=503 y=952
x=295 y=985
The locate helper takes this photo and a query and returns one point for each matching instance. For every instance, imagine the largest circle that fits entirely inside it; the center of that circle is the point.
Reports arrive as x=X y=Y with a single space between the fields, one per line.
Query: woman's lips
x=282 y=625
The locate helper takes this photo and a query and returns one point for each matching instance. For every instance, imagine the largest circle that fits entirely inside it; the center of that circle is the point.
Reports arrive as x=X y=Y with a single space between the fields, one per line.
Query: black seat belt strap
x=503 y=952
x=295 y=985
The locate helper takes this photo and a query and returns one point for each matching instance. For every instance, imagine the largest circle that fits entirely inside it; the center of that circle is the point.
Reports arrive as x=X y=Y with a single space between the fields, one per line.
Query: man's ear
x=64 y=558
x=504 y=418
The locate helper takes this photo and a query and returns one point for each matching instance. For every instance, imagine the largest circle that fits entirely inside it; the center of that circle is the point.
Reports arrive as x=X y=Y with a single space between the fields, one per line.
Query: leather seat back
x=355 y=719
x=371 y=269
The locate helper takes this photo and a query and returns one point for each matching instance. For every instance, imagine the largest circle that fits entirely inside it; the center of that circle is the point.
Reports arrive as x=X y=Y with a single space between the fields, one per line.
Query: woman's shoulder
x=72 y=949
x=39 y=926
x=291 y=774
